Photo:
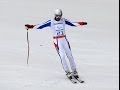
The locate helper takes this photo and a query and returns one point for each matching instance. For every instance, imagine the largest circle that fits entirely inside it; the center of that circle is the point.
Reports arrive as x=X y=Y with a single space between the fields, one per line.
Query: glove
x=29 y=26
x=82 y=23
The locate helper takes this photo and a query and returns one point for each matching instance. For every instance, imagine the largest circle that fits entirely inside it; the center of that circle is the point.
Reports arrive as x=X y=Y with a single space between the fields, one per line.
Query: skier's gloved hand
x=29 y=26
x=82 y=23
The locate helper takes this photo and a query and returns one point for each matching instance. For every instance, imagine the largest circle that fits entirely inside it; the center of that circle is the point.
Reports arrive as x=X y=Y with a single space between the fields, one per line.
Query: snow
x=95 y=47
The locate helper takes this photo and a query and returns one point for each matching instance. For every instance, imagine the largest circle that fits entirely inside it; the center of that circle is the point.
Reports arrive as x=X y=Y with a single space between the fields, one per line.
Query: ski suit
x=60 y=41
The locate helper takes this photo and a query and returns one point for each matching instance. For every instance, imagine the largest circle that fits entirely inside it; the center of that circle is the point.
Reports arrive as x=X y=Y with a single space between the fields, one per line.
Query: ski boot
x=76 y=76
x=71 y=78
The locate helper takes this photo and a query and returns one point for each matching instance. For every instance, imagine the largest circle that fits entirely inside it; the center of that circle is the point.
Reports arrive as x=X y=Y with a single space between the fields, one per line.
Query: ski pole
x=28 y=27
x=28 y=47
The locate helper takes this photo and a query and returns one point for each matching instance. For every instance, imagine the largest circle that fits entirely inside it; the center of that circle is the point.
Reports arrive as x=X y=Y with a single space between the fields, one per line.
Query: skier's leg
x=61 y=54
x=72 y=62
x=69 y=55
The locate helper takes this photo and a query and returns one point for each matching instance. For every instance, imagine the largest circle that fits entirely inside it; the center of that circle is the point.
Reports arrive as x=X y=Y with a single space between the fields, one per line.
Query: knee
x=62 y=56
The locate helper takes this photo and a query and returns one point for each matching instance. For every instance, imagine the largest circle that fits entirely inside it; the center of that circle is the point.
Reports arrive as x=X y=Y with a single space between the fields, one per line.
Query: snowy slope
x=95 y=46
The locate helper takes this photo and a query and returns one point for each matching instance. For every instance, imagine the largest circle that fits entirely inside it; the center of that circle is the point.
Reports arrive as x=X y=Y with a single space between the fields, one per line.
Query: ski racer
x=61 y=43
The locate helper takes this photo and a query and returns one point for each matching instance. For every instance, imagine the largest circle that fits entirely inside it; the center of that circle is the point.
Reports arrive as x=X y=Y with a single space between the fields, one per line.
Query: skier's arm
x=75 y=24
x=46 y=24
x=38 y=26
x=69 y=23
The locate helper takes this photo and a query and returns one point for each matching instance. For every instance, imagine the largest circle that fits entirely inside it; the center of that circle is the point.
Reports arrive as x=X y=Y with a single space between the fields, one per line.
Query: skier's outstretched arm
x=38 y=26
x=75 y=24
x=70 y=23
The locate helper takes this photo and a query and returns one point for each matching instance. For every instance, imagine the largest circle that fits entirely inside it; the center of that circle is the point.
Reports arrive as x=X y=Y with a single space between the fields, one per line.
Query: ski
x=73 y=81
x=71 y=78
x=79 y=80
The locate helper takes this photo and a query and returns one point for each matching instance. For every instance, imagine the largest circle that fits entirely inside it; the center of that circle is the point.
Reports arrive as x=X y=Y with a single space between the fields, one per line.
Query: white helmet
x=58 y=12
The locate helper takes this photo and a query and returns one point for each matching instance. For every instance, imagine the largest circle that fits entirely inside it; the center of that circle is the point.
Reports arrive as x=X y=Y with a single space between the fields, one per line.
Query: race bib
x=59 y=29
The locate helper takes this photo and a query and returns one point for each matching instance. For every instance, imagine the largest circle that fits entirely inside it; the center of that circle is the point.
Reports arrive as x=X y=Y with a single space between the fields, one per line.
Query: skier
x=60 y=41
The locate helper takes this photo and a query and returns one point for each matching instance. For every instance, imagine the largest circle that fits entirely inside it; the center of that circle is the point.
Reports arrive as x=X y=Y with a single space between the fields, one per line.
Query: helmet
x=58 y=12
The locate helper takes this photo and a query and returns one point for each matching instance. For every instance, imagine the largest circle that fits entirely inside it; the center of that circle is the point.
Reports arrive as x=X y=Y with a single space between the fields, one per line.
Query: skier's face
x=58 y=17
